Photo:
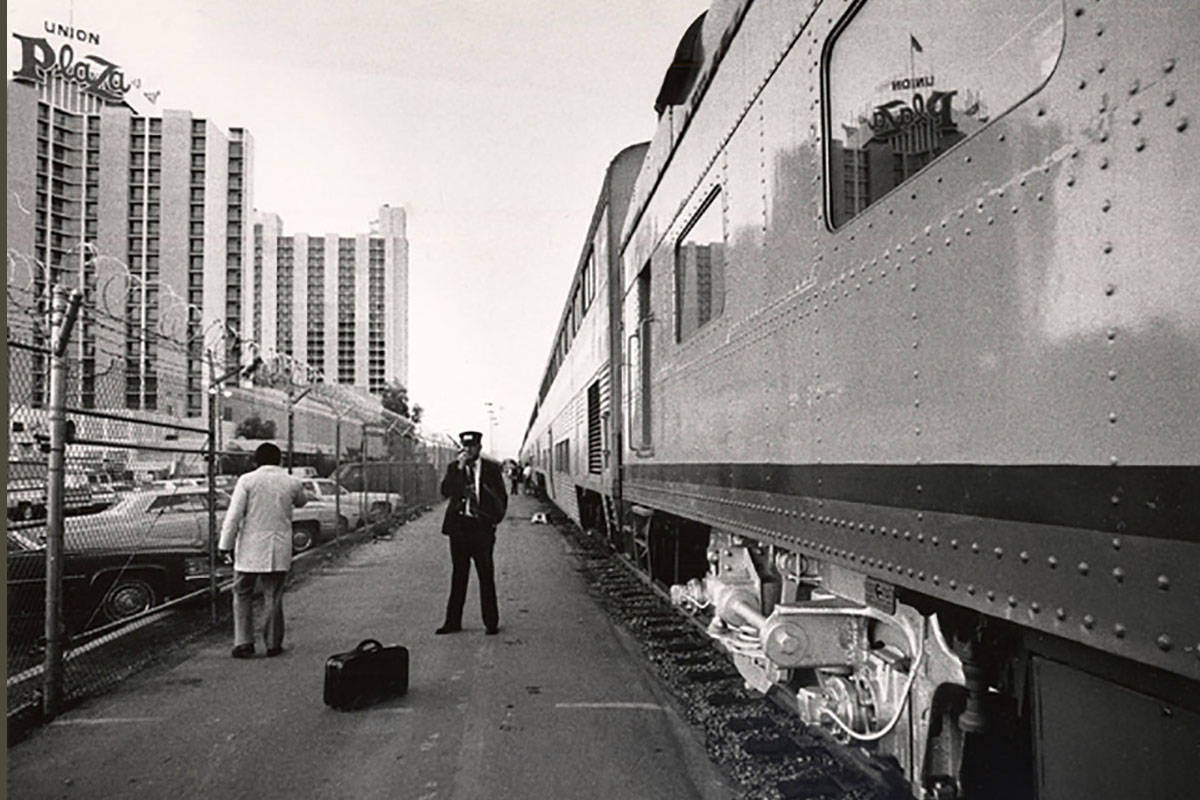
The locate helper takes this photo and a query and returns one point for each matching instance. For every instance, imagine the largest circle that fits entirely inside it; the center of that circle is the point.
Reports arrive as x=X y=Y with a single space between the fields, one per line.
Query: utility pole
x=337 y=458
x=291 y=421
x=214 y=391
x=63 y=312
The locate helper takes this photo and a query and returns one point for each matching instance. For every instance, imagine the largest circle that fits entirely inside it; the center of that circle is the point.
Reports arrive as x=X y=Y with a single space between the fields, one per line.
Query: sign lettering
x=908 y=84
x=96 y=74
x=896 y=115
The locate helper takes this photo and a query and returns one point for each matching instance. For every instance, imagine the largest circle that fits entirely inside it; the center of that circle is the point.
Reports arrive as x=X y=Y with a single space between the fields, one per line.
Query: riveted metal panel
x=1135 y=596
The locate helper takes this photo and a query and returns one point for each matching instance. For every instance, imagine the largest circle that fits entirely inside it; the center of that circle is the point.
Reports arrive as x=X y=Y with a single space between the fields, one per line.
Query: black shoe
x=243 y=651
x=448 y=629
x=492 y=631
x=273 y=651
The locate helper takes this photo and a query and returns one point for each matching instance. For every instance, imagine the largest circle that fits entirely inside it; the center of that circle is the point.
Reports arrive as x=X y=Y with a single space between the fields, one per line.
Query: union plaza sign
x=40 y=59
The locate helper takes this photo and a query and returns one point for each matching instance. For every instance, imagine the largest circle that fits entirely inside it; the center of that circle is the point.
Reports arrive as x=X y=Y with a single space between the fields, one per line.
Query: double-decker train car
x=570 y=434
x=904 y=370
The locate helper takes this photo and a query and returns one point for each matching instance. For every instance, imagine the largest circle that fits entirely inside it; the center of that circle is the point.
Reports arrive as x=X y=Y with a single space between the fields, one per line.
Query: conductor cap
x=471 y=438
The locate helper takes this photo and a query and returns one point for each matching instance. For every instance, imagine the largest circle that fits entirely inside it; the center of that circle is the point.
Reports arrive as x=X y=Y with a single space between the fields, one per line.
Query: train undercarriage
x=937 y=692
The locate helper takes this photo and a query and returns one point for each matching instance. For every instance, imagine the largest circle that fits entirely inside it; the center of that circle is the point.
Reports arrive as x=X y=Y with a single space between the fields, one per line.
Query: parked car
x=178 y=517
x=77 y=491
x=101 y=584
x=325 y=491
x=378 y=503
x=103 y=493
x=25 y=499
x=316 y=522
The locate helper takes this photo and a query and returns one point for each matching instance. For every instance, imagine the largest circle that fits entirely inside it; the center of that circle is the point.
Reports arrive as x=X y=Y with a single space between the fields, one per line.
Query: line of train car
x=884 y=354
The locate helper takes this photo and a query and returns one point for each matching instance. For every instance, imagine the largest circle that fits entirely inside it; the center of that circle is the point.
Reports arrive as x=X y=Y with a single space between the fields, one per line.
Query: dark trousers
x=475 y=545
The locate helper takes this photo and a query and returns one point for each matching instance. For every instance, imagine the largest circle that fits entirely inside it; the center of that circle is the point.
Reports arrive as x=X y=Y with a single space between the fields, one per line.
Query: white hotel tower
x=336 y=303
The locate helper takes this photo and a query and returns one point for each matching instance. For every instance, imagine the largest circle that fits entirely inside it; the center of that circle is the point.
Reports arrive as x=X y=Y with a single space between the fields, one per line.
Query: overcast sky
x=491 y=122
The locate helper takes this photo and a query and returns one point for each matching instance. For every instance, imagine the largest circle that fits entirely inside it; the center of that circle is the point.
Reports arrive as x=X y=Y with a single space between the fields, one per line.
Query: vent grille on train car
x=595 y=441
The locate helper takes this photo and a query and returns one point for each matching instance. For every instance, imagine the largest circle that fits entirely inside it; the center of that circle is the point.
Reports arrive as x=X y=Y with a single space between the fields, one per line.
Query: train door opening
x=639 y=368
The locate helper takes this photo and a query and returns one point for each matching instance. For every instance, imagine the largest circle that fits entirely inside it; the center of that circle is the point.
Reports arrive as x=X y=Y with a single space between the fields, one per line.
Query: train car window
x=908 y=79
x=700 y=269
x=562 y=456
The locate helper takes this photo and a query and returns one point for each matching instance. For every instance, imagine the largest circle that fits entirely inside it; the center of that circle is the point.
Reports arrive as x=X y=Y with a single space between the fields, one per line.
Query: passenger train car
x=895 y=377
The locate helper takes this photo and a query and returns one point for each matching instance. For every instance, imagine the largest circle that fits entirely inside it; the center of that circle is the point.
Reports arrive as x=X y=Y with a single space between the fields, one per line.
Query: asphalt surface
x=558 y=705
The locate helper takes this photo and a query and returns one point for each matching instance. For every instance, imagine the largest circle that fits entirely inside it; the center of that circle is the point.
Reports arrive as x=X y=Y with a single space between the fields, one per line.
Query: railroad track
x=767 y=751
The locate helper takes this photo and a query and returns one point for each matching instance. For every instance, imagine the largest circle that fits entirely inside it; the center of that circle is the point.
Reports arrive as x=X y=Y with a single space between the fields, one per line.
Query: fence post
x=291 y=422
x=214 y=391
x=62 y=318
x=362 y=455
x=337 y=463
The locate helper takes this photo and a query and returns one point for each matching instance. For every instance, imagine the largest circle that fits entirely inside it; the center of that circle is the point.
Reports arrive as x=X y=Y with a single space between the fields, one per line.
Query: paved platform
x=555 y=706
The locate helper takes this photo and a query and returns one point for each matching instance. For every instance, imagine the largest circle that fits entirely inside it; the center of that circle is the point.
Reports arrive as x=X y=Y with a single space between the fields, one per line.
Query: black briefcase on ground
x=365 y=675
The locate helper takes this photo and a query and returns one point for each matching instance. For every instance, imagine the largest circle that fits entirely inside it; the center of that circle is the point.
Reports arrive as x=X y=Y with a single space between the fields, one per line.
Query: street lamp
x=493 y=412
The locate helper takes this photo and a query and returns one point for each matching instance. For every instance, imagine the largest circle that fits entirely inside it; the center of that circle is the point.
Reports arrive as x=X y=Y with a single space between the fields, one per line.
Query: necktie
x=472 y=500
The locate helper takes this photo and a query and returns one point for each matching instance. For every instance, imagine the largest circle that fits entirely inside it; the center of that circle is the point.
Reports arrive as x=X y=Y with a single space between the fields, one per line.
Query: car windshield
x=18 y=542
x=326 y=487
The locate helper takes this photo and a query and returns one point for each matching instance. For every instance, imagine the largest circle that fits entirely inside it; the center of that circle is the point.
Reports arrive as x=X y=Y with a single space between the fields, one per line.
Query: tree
x=395 y=399
x=399 y=442
x=276 y=373
x=254 y=427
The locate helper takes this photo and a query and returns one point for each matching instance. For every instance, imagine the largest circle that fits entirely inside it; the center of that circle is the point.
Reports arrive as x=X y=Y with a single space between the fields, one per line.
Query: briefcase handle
x=367 y=645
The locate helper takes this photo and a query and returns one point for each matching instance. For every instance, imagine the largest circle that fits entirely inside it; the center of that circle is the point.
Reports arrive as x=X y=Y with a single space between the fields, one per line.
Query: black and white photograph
x=640 y=399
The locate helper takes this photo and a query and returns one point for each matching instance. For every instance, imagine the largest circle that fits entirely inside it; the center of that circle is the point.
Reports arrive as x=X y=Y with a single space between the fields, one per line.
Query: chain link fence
x=139 y=509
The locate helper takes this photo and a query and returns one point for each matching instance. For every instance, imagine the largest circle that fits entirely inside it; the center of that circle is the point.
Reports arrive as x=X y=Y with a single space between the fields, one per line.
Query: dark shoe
x=493 y=631
x=243 y=651
x=448 y=629
x=273 y=651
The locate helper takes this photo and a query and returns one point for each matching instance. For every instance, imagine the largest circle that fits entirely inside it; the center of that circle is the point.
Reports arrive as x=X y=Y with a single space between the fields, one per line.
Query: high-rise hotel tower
x=338 y=303
x=150 y=217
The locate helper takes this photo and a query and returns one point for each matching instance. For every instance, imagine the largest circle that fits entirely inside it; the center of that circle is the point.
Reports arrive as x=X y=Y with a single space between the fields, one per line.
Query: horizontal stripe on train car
x=1158 y=501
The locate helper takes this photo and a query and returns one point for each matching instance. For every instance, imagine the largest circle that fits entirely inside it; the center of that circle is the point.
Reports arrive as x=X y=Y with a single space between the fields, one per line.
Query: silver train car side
x=902 y=379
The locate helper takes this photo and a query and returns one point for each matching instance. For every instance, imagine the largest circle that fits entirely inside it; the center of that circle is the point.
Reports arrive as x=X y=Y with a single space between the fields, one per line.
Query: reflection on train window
x=909 y=79
x=700 y=269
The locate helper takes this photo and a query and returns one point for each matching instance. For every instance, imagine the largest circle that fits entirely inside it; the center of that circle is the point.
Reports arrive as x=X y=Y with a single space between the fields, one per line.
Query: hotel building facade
x=337 y=303
x=150 y=216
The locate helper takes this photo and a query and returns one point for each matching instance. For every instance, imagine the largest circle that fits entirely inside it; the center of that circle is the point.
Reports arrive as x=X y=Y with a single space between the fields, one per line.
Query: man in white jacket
x=258 y=529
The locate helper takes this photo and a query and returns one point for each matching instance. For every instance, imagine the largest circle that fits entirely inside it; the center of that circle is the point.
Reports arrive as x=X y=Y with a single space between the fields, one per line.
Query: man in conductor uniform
x=478 y=502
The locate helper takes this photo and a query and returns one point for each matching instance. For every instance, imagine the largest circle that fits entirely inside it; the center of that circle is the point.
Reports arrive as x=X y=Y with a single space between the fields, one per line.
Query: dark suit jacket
x=493 y=499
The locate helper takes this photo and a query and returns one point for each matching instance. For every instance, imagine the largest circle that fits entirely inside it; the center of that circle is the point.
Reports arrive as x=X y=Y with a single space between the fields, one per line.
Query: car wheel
x=380 y=512
x=127 y=597
x=302 y=538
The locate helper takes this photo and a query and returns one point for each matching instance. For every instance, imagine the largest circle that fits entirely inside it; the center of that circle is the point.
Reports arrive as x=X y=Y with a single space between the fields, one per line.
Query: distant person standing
x=527 y=478
x=514 y=475
x=478 y=502
x=258 y=530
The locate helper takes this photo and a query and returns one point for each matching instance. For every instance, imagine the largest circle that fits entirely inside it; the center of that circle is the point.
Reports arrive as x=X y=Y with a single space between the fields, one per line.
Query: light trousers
x=243 y=607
